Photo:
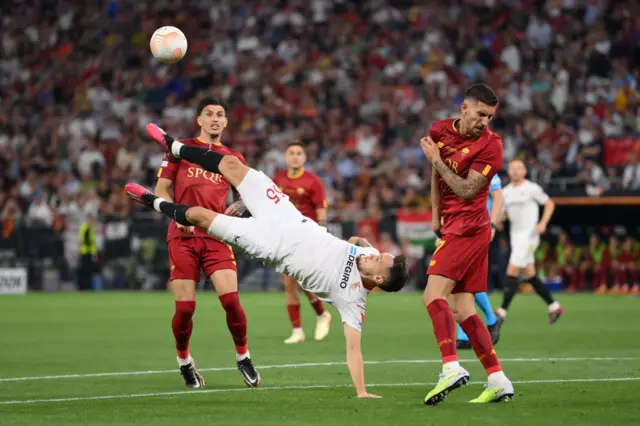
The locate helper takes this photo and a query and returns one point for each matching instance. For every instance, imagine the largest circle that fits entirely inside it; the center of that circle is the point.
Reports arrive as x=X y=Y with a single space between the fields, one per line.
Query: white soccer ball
x=168 y=45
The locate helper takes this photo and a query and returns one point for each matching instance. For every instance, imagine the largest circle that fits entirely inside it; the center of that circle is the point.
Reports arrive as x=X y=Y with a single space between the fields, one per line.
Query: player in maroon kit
x=306 y=192
x=191 y=249
x=465 y=155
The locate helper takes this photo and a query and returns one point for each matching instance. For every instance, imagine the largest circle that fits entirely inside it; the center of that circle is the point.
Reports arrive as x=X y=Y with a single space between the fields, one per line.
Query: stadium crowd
x=358 y=82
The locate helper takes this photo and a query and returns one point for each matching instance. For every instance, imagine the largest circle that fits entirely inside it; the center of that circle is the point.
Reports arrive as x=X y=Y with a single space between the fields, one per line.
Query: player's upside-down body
x=340 y=272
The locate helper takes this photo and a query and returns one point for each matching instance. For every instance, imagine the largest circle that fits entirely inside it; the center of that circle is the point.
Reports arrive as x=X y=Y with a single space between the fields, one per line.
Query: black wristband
x=494 y=226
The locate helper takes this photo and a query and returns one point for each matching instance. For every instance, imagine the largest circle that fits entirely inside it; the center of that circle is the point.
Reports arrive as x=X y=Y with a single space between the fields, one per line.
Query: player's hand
x=368 y=395
x=186 y=229
x=541 y=228
x=437 y=228
x=430 y=149
x=236 y=209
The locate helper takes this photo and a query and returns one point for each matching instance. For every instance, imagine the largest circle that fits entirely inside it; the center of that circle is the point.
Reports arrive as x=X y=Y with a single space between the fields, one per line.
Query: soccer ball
x=168 y=45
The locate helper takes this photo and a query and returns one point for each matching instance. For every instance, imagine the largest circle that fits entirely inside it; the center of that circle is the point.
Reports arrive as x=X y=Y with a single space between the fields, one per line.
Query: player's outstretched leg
x=453 y=376
x=227 y=165
x=491 y=319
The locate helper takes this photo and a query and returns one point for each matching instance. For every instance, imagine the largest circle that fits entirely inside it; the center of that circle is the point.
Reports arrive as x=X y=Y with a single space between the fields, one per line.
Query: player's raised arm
x=355 y=362
x=359 y=241
x=465 y=188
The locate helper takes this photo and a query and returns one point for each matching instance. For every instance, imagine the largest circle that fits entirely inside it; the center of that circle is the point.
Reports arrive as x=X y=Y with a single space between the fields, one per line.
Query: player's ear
x=199 y=121
x=225 y=121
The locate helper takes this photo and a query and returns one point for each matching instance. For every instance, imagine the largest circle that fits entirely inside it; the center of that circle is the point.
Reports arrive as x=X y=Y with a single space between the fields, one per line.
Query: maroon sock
x=481 y=342
x=294 y=315
x=182 y=324
x=236 y=320
x=444 y=328
x=318 y=306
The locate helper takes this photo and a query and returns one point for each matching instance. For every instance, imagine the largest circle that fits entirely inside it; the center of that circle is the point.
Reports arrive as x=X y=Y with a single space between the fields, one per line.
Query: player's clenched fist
x=430 y=148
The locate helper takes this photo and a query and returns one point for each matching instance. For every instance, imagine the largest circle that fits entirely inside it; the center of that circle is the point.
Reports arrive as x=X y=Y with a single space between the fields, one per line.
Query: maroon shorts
x=464 y=260
x=188 y=255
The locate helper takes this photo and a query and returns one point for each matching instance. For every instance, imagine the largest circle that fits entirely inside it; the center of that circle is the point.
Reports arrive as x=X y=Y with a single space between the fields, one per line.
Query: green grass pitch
x=116 y=355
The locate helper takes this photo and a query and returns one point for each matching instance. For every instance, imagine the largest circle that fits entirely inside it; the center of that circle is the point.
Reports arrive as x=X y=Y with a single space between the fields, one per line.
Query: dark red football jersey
x=195 y=186
x=305 y=191
x=462 y=153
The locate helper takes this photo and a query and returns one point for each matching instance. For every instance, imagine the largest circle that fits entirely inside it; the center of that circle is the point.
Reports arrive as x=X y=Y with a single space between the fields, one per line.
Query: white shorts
x=267 y=235
x=523 y=250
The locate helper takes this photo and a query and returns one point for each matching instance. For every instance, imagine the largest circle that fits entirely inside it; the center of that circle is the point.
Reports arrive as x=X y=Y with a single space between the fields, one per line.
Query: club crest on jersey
x=348 y=268
x=465 y=151
x=355 y=286
x=300 y=191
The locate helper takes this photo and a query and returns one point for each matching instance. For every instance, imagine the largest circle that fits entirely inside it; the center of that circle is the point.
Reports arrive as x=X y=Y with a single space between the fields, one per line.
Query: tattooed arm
x=467 y=188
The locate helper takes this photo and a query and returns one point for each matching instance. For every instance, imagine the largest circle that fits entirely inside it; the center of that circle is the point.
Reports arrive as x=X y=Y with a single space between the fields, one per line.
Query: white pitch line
x=308 y=364
x=301 y=387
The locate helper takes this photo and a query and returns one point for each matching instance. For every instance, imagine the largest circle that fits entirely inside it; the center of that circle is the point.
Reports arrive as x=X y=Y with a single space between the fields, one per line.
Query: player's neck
x=295 y=173
x=460 y=127
x=208 y=139
x=517 y=183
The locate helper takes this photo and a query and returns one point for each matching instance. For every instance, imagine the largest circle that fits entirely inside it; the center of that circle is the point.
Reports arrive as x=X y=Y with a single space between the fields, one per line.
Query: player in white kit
x=339 y=272
x=522 y=201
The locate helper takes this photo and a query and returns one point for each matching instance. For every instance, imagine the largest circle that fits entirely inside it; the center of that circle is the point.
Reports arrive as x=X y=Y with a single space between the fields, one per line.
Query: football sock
x=444 y=328
x=541 y=289
x=236 y=320
x=462 y=335
x=317 y=306
x=634 y=276
x=209 y=160
x=482 y=300
x=481 y=343
x=177 y=212
x=182 y=324
x=294 y=315
x=510 y=290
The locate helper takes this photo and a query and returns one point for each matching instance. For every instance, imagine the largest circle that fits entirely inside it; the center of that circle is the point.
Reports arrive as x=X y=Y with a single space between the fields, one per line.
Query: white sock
x=497 y=378
x=185 y=361
x=243 y=356
x=450 y=366
x=554 y=306
x=501 y=312
x=298 y=330
x=175 y=148
x=157 y=202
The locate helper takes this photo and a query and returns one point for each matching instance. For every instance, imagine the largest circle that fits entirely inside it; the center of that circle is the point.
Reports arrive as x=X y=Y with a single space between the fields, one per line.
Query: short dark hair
x=481 y=93
x=210 y=101
x=295 y=143
x=399 y=275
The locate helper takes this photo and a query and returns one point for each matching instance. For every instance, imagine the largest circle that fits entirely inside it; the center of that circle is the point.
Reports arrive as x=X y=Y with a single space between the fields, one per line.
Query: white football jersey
x=522 y=204
x=326 y=266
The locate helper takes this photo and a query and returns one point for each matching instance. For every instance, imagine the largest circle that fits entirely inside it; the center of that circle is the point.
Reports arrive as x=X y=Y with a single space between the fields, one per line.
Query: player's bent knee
x=438 y=287
x=225 y=281
x=200 y=217
x=184 y=290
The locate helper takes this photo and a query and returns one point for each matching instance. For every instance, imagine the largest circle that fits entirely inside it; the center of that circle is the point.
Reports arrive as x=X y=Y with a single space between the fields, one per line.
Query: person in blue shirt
x=495 y=204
